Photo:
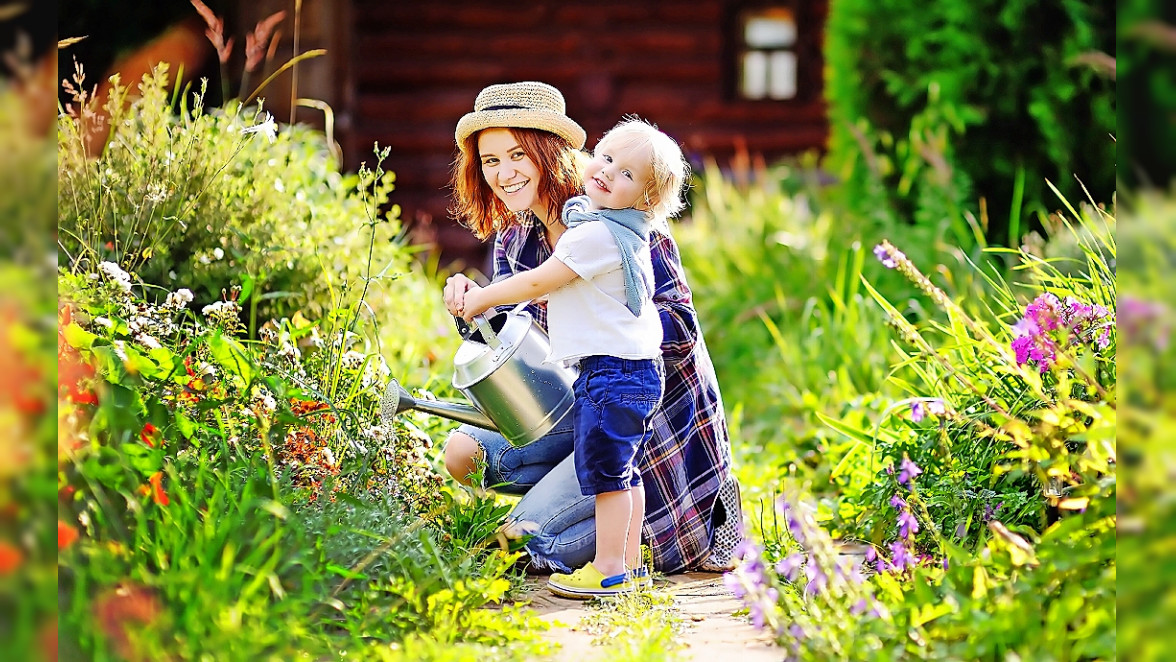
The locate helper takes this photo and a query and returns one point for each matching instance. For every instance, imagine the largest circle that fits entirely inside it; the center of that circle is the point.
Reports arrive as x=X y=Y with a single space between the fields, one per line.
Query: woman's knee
x=462 y=454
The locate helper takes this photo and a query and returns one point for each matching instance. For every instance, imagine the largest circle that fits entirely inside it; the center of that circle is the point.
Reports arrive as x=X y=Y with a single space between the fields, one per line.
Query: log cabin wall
x=414 y=69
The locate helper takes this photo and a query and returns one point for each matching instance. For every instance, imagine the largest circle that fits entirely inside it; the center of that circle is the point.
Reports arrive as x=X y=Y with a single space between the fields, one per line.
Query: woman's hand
x=456 y=287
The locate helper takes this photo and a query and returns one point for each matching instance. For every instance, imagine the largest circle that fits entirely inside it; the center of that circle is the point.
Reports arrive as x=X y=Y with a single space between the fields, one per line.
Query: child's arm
x=525 y=286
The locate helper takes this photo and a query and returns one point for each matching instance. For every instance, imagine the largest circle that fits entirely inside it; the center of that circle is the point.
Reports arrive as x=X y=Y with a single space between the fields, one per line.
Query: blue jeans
x=562 y=520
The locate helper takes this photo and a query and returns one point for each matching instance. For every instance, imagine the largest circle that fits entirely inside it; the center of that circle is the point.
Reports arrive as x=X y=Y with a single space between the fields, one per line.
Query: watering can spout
x=396 y=400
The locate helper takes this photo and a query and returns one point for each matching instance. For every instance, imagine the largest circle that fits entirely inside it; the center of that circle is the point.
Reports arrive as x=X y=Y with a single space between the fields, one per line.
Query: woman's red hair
x=476 y=207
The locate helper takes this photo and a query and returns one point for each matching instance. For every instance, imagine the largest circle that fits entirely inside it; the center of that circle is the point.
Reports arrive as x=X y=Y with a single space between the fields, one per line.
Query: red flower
x=156 y=489
x=66 y=535
x=146 y=434
x=10 y=558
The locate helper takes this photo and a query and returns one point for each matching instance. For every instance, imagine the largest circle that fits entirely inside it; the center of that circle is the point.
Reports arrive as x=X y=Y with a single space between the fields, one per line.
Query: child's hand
x=472 y=303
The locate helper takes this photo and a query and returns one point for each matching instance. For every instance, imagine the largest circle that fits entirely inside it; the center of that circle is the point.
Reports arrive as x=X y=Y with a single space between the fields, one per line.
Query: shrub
x=201 y=199
x=932 y=109
x=988 y=506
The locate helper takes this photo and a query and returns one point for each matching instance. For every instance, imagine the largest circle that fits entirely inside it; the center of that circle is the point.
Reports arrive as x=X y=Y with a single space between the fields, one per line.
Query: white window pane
x=782 y=75
x=775 y=29
x=755 y=75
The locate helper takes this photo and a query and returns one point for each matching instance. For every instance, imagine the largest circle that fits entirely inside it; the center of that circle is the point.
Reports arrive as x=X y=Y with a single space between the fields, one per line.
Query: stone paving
x=712 y=633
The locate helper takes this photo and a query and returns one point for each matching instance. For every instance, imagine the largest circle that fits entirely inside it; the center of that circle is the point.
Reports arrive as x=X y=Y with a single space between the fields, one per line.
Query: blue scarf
x=630 y=227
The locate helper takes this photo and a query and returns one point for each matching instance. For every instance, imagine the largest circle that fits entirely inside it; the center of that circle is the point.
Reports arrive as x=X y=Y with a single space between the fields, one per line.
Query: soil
x=706 y=608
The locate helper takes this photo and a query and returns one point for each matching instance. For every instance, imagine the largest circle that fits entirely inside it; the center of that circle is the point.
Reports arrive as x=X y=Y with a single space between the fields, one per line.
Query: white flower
x=179 y=299
x=218 y=253
x=156 y=193
x=268 y=127
x=104 y=321
x=353 y=359
x=147 y=341
x=116 y=275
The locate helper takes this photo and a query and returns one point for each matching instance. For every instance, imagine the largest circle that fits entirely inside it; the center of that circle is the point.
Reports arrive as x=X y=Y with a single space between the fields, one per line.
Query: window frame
x=807 y=49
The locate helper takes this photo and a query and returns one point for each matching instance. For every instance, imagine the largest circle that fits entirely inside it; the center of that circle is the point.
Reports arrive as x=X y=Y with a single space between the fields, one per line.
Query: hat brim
x=520 y=118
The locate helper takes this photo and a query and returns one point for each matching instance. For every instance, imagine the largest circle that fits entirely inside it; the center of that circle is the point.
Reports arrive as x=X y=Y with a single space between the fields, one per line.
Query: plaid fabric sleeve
x=519 y=248
x=673 y=298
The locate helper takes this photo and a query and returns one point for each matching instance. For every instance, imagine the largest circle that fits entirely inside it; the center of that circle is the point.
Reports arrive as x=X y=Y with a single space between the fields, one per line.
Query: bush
x=190 y=199
x=986 y=501
x=934 y=108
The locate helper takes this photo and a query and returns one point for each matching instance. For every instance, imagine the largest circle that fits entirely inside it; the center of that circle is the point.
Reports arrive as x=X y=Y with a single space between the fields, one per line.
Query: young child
x=600 y=311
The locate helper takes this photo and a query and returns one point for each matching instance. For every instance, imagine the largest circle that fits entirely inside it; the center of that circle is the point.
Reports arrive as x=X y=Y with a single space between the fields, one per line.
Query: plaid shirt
x=689 y=456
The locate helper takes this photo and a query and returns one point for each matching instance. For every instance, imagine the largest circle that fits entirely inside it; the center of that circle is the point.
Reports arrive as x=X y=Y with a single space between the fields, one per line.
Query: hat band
x=504 y=107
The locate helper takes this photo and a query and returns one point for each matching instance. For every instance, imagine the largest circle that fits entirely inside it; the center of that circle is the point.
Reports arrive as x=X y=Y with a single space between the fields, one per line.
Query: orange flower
x=66 y=535
x=155 y=489
x=146 y=434
x=10 y=558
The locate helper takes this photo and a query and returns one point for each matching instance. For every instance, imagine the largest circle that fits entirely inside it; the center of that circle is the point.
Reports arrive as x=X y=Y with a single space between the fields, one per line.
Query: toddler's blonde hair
x=668 y=167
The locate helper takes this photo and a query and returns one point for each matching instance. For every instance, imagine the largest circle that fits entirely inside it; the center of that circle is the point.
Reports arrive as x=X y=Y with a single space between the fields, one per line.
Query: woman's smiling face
x=508 y=170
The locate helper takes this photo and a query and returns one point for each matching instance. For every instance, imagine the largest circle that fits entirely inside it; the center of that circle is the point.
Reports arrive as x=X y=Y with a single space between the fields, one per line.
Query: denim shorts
x=615 y=400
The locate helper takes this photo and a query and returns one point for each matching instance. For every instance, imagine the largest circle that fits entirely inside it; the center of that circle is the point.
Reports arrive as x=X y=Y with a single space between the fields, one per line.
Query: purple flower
x=796 y=631
x=908 y=473
x=945 y=563
x=735 y=585
x=818 y=580
x=793 y=519
x=990 y=512
x=917 y=412
x=898 y=503
x=1103 y=339
x=900 y=557
x=756 y=611
x=1046 y=310
x=883 y=255
x=759 y=608
x=860 y=607
x=849 y=569
x=907 y=524
x=789 y=566
x=1021 y=346
x=747 y=549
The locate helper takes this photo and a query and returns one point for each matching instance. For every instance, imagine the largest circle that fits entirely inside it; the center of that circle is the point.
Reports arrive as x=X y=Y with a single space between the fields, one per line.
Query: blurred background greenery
x=948 y=126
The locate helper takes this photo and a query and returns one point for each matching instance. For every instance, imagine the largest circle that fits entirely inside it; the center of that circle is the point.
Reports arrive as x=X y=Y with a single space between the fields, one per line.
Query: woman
x=519 y=158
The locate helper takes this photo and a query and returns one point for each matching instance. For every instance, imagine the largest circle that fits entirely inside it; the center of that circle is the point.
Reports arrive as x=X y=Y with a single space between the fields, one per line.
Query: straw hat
x=525 y=105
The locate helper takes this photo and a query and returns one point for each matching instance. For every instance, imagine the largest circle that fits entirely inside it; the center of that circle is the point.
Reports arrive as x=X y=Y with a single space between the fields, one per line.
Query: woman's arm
x=547 y=277
x=673 y=298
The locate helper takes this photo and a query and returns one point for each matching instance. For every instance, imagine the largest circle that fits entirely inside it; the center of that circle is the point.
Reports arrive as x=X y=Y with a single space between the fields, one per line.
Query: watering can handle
x=463 y=328
x=487 y=331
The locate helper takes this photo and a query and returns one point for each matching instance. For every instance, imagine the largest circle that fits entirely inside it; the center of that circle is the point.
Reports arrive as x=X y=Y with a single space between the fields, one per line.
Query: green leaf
x=856 y=433
x=78 y=337
x=232 y=357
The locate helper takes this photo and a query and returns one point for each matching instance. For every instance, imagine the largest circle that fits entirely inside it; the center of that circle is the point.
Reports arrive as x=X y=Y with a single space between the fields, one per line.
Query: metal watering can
x=500 y=367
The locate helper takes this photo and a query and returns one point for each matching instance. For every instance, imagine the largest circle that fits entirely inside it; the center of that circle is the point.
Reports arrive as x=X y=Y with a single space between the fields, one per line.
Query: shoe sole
x=586 y=593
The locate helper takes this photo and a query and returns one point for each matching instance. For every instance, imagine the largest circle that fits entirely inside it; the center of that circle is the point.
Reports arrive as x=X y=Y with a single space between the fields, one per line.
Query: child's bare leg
x=633 y=541
x=613 y=513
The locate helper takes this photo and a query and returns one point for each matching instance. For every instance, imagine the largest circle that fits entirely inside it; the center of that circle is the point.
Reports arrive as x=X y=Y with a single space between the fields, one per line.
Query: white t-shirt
x=588 y=316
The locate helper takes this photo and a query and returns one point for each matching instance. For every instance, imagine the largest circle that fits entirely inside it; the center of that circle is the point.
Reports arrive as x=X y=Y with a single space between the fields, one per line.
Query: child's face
x=508 y=170
x=617 y=175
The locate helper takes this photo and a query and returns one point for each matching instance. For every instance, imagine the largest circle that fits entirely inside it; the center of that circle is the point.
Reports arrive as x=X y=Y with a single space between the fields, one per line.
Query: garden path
x=710 y=631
